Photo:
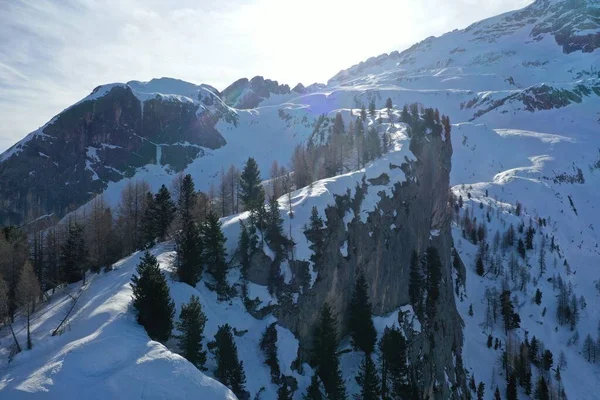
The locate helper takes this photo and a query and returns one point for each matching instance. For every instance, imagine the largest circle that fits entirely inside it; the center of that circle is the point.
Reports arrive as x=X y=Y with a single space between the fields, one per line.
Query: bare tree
x=130 y=211
x=28 y=290
x=98 y=231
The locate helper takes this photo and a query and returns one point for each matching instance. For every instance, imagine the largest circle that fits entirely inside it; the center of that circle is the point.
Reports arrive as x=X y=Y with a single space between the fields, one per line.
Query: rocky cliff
x=415 y=216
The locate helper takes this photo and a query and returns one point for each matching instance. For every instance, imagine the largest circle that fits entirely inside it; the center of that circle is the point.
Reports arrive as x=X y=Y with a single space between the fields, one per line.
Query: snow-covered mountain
x=523 y=93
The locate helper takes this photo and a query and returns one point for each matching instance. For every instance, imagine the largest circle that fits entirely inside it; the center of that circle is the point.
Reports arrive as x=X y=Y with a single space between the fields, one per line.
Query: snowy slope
x=103 y=352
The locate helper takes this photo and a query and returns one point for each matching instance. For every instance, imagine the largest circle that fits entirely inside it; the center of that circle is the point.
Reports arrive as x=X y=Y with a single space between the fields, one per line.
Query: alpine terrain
x=423 y=226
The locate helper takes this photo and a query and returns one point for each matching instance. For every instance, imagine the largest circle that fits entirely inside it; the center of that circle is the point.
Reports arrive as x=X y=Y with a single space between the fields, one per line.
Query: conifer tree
x=252 y=192
x=511 y=319
x=230 y=370
x=480 y=391
x=360 y=323
x=415 y=282
x=74 y=255
x=541 y=391
x=246 y=245
x=283 y=393
x=163 y=212
x=313 y=391
x=191 y=325
x=268 y=345
x=274 y=227
x=521 y=248
x=511 y=387
x=434 y=276
x=372 y=108
x=326 y=357
x=359 y=140
x=538 y=297
x=497 y=395
x=479 y=268
x=388 y=104
x=405 y=115
x=315 y=234
x=214 y=253
x=188 y=240
x=363 y=113
x=368 y=380
x=151 y=299
x=394 y=369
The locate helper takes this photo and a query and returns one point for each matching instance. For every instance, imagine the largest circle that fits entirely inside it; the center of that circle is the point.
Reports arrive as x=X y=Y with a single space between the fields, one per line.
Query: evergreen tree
x=188 y=240
x=252 y=192
x=368 y=380
x=151 y=299
x=191 y=325
x=511 y=319
x=497 y=395
x=489 y=341
x=230 y=370
x=372 y=108
x=511 y=387
x=246 y=246
x=326 y=357
x=360 y=323
x=405 y=115
x=363 y=113
x=163 y=212
x=214 y=253
x=283 y=393
x=547 y=360
x=388 y=103
x=538 y=297
x=541 y=391
x=521 y=248
x=415 y=282
x=274 y=227
x=434 y=276
x=479 y=268
x=268 y=345
x=480 y=391
x=315 y=234
x=394 y=369
x=313 y=391
x=74 y=255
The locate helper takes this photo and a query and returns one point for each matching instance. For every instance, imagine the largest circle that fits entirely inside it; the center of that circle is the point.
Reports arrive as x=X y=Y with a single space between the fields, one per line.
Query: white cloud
x=54 y=53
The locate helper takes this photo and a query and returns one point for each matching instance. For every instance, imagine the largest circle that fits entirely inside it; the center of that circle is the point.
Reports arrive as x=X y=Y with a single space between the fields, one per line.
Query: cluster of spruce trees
x=392 y=379
x=156 y=311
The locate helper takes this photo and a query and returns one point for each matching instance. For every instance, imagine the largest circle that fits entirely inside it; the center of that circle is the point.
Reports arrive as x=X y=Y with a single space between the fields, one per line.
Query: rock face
x=416 y=217
x=245 y=94
x=103 y=138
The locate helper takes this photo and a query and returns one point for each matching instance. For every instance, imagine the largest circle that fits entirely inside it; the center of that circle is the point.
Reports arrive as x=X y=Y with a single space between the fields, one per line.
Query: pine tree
x=511 y=387
x=480 y=391
x=274 y=227
x=191 y=325
x=230 y=370
x=151 y=299
x=434 y=276
x=415 y=282
x=405 y=115
x=252 y=192
x=268 y=345
x=372 y=108
x=163 y=212
x=521 y=248
x=246 y=246
x=368 y=380
x=479 y=268
x=326 y=357
x=74 y=255
x=313 y=391
x=283 y=393
x=394 y=369
x=359 y=140
x=489 y=341
x=538 y=297
x=388 y=104
x=541 y=391
x=360 y=322
x=497 y=395
x=511 y=319
x=315 y=234
x=214 y=253
x=589 y=348
x=363 y=113
x=188 y=240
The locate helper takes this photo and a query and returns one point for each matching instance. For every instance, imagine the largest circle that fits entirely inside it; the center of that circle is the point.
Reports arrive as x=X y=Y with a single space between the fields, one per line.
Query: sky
x=55 y=52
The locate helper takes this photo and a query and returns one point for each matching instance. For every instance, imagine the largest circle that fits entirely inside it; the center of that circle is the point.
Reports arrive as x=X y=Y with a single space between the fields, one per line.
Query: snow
x=344 y=249
x=103 y=352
